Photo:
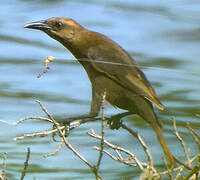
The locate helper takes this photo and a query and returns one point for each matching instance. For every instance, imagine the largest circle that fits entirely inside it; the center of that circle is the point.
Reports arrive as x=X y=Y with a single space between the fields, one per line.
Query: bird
x=110 y=69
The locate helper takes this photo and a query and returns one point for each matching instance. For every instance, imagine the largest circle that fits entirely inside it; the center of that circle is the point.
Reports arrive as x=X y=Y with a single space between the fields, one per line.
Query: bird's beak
x=40 y=25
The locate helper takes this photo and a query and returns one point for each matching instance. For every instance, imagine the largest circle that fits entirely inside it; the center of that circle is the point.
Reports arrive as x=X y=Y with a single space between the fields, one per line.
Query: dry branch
x=25 y=164
x=119 y=154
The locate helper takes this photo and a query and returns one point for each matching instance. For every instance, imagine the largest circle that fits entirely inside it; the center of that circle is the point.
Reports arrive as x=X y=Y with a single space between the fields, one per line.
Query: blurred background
x=162 y=36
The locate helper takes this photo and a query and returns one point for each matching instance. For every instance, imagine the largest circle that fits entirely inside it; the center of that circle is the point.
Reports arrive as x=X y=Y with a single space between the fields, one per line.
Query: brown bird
x=110 y=69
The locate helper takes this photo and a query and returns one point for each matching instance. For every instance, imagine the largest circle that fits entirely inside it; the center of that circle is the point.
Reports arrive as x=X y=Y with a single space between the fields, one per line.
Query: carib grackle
x=110 y=69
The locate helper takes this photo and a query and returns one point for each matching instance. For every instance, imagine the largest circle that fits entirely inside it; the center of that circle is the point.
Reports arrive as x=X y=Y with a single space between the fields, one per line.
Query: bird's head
x=60 y=29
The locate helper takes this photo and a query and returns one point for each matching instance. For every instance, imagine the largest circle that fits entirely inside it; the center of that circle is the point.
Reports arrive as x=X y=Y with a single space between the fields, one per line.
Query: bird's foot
x=115 y=122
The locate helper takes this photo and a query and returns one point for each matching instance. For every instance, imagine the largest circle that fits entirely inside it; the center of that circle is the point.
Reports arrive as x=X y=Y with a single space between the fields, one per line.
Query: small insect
x=47 y=61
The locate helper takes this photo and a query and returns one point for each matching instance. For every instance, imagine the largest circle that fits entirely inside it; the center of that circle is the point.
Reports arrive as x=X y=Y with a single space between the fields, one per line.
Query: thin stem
x=25 y=164
x=102 y=131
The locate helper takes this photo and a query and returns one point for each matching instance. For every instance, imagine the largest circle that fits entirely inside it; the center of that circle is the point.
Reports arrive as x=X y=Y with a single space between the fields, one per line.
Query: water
x=163 y=35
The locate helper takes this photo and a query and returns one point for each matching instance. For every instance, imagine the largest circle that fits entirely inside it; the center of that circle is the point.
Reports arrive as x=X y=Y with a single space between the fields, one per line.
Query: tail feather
x=163 y=143
x=144 y=108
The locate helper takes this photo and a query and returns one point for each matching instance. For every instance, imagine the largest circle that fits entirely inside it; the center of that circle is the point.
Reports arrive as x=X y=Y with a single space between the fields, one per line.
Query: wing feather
x=120 y=67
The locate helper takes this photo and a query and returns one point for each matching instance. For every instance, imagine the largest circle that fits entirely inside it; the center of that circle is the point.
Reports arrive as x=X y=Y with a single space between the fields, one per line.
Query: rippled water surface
x=163 y=37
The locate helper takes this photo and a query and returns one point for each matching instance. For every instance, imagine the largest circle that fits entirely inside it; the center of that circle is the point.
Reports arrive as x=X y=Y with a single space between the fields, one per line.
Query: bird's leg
x=115 y=121
x=67 y=121
x=96 y=102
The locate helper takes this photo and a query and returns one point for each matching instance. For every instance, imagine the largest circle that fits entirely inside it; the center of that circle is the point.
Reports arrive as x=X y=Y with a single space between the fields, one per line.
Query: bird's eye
x=59 y=24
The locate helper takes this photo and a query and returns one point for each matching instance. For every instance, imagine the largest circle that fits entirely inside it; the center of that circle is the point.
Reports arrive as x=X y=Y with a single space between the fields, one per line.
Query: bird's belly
x=115 y=94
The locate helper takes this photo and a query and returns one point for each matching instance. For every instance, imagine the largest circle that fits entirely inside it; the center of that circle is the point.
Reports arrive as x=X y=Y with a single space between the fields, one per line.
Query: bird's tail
x=147 y=113
x=161 y=139
x=145 y=109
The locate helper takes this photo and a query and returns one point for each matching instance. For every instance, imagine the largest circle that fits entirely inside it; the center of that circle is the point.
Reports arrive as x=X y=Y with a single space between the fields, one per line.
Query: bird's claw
x=114 y=122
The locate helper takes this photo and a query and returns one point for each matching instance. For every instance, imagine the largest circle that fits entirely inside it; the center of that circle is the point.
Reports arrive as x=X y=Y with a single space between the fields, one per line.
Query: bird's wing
x=120 y=67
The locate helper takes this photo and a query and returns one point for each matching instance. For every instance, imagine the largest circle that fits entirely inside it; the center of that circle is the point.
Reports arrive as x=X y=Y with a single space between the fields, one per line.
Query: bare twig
x=195 y=135
x=182 y=143
x=194 y=172
x=63 y=135
x=102 y=131
x=181 y=163
x=25 y=119
x=118 y=148
x=66 y=142
x=73 y=123
x=127 y=162
x=169 y=170
x=143 y=144
x=56 y=150
x=38 y=134
x=120 y=154
x=179 y=174
x=3 y=172
x=25 y=164
x=47 y=113
x=48 y=60
x=32 y=118
x=180 y=167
